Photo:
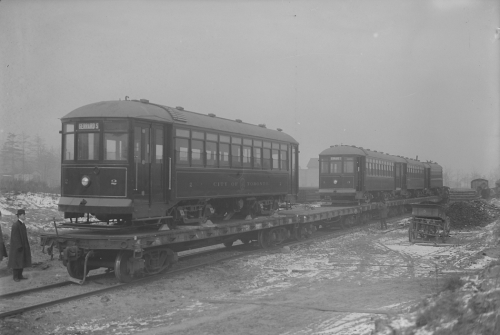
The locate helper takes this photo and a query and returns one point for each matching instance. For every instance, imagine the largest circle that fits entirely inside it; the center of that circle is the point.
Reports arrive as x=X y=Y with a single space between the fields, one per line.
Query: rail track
x=329 y=230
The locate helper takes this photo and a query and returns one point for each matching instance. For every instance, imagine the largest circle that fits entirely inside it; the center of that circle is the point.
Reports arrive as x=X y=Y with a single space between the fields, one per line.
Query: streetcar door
x=157 y=164
x=142 y=162
x=397 y=175
x=427 y=178
x=360 y=162
x=403 y=176
x=295 y=170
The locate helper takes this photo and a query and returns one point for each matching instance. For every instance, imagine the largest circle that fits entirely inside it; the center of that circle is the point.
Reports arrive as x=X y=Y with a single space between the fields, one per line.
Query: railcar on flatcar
x=350 y=173
x=132 y=162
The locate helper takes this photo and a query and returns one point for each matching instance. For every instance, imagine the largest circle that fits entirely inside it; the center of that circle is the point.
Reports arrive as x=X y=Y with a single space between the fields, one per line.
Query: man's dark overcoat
x=20 y=252
x=3 y=250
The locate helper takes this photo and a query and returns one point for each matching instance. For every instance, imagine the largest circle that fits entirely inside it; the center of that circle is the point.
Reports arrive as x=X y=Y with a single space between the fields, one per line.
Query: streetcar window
x=182 y=132
x=223 y=154
x=88 y=146
x=257 y=157
x=196 y=153
x=284 y=147
x=159 y=146
x=257 y=143
x=284 y=160
x=181 y=151
x=247 y=157
x=235 y=155
x=147 y=152
x=198 y=135
x=137 y=145
x=212 y=137
x=276 y=159
x=116 y=145
x=335 y=166
x=68 y=142
x=69 y=128
x=115 y=140
x=236 y=140
x=348 y=165
x=69 y=147
x=223 y=138
x=266 y=158
x=267 y=144
x=275 y=145
x=211 y=150
x=324 y=166
x=247 y=141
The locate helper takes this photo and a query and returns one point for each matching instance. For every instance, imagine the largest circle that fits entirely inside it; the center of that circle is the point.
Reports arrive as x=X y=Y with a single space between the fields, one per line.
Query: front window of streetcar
x=88 y=146
x=335 y=164
x=68 y=141
x=348 y=165
x=116 y=140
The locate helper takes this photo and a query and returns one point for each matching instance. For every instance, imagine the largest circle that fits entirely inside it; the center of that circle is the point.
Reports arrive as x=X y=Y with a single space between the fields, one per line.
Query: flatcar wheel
x=300 y=232
x=76 y=268
x=263 y=239
x=156 y=261
x=274 y=237
x=122 y=266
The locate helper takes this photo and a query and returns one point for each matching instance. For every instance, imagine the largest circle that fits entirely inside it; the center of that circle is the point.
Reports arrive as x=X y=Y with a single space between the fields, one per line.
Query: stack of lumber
x=462 y=194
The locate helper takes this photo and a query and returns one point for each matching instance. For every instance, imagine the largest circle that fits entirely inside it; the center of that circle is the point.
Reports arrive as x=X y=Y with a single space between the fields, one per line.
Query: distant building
x=310 y=177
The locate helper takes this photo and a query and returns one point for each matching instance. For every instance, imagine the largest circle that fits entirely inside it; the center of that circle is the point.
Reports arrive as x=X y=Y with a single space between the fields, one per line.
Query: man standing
x=383 y=214
x=20 y=253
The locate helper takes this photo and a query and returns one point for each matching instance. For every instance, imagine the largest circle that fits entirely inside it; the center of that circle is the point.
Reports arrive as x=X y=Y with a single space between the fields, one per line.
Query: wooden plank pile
x=462 y=194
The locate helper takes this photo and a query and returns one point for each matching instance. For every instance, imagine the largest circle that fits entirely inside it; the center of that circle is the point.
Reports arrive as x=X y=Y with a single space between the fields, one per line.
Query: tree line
x=27 y=163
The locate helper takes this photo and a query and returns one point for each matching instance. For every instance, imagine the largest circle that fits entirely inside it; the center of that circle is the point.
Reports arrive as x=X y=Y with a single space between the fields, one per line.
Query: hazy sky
x=408 y=78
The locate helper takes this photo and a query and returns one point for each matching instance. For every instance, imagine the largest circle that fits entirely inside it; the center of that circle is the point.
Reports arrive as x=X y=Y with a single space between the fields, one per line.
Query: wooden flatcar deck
x=126 y=239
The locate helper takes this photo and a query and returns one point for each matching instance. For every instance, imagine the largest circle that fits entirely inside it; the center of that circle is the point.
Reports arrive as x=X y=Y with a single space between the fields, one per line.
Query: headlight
x=85 y=181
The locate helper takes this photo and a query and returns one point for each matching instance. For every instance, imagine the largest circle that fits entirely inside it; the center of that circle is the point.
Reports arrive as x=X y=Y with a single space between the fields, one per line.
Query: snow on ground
x=388 y=257
x=10 y=202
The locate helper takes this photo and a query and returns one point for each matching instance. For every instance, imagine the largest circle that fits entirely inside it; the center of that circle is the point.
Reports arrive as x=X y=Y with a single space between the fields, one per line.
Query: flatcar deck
x=91 y=239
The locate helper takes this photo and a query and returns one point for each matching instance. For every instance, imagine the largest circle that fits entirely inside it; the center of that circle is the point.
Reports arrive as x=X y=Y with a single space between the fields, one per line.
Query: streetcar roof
x=359 y=151
x=178 y=116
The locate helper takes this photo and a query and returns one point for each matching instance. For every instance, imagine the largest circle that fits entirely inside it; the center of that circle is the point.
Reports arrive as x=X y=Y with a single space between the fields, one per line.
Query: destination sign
x=88 y=126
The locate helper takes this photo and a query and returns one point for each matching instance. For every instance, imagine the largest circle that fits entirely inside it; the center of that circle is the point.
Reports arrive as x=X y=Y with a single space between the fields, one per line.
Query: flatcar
x=350 y=173
x=133 y=162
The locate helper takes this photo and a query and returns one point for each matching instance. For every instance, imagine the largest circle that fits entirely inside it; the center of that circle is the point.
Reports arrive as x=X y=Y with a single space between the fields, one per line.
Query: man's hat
x=20 y=212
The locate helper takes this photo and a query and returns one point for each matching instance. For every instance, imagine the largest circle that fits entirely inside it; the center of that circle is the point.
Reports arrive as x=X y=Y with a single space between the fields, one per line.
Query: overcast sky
x=403 y=77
